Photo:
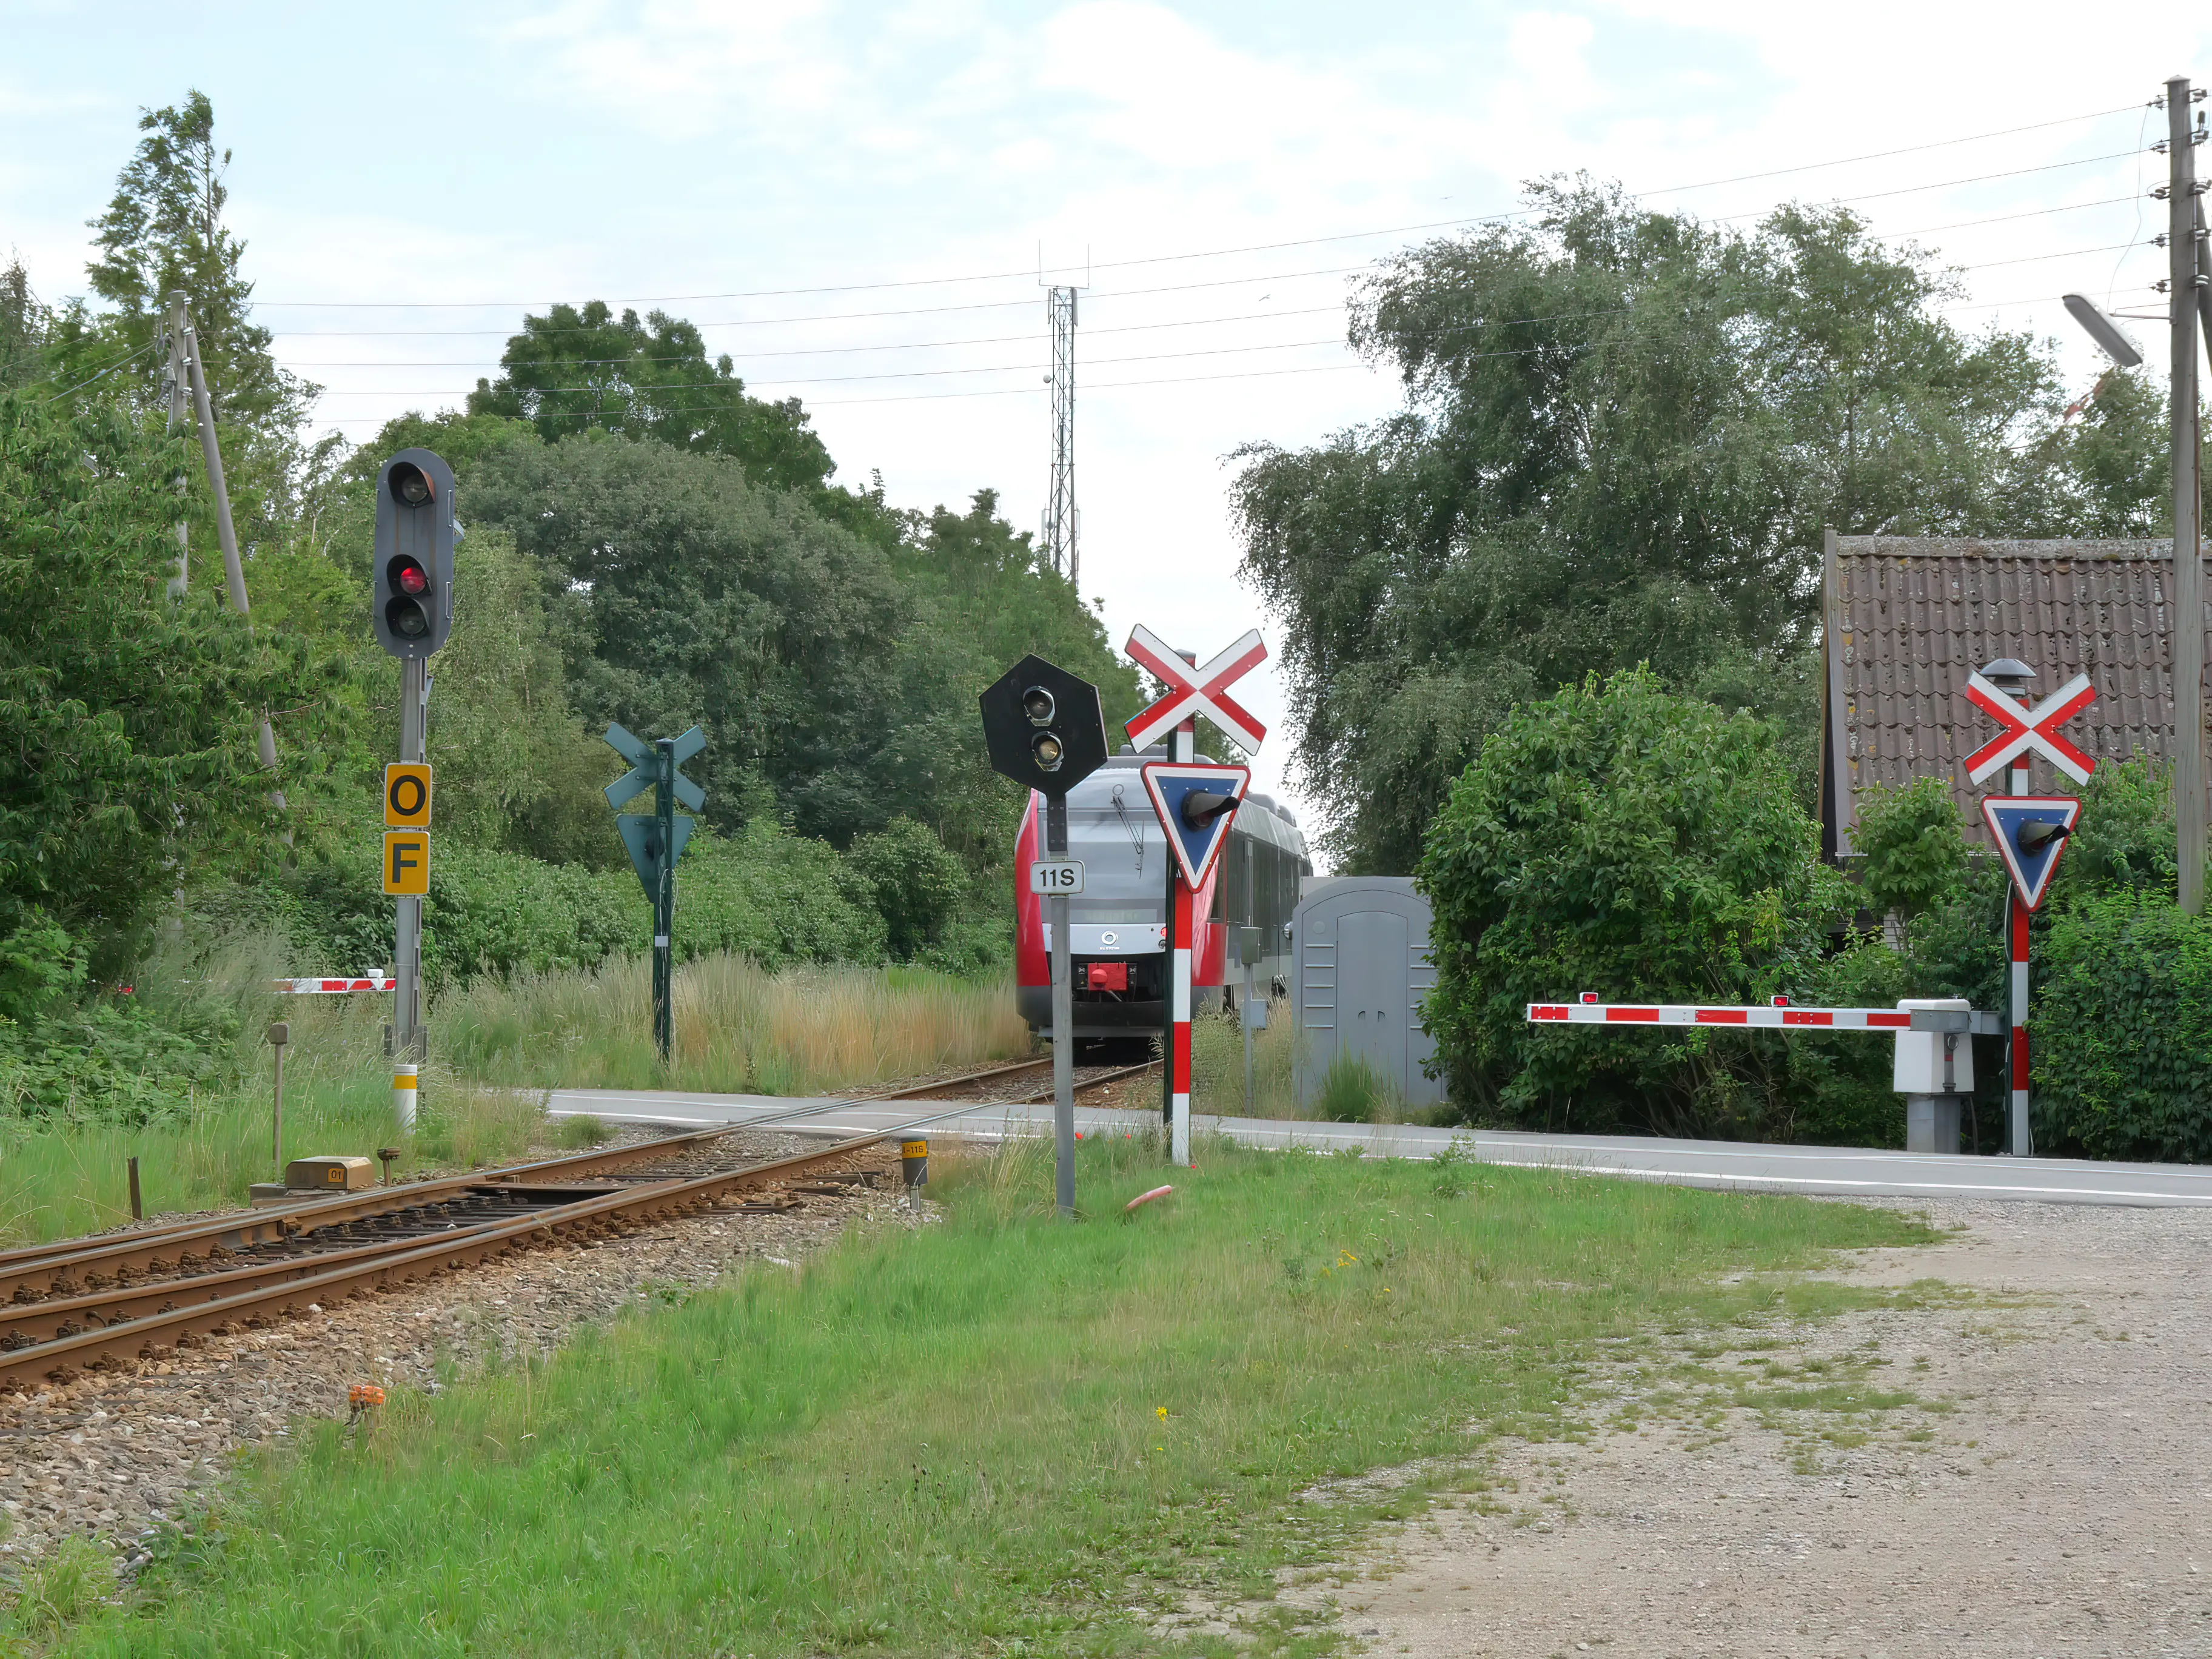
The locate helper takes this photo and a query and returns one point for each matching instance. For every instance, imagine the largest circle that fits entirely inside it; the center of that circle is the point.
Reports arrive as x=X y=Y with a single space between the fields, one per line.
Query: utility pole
x=234 y=572
x=1060 y=515
x=179 y=412
x=2182 y=294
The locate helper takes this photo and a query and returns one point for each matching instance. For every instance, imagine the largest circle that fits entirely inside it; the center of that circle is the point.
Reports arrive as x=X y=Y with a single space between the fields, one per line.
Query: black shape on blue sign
x=640 y=833
x=2030 y=832
x=1195 y=802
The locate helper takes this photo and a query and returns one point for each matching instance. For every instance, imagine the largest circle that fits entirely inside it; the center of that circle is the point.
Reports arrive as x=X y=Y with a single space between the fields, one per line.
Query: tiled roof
x=1908 y=618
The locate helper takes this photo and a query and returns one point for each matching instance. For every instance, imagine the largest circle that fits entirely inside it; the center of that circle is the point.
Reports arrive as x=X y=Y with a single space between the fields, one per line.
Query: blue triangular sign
x=2029 y=849
x=640 y=833
x=1171 y=784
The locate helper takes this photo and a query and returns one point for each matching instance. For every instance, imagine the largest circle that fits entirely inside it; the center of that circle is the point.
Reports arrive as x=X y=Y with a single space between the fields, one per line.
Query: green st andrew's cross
x=655 y=842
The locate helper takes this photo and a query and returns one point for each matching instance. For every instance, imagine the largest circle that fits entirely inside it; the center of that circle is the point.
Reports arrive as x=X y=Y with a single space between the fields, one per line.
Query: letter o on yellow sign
x=407 y=795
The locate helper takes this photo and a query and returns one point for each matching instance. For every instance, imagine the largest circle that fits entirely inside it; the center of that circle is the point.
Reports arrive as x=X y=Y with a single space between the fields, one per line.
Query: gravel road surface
x=2062 y=1505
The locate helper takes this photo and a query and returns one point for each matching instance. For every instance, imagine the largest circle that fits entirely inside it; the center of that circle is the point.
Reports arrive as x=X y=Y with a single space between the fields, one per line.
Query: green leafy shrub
x=913 y=881
x=775 y=897
x=2123 y=1026
x=1618 y=839
x=1914 y=847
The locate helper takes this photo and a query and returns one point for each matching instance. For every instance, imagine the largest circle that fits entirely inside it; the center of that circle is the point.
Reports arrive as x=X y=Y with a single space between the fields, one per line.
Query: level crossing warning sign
x=1200 y=690
x=2031 y=831
x=1195 y=802
x=2029 y=730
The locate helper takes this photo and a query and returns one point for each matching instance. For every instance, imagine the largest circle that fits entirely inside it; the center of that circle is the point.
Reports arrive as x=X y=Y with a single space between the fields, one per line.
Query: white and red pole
x=2021 y=1143
x=1182 y=746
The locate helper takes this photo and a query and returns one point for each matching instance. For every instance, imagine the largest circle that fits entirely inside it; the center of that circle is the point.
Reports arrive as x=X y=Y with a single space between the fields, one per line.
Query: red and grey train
x=1116 y=925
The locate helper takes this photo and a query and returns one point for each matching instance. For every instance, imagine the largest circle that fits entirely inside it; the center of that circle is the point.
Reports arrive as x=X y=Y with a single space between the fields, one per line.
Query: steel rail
x=37 y=1273
x=392 y=1263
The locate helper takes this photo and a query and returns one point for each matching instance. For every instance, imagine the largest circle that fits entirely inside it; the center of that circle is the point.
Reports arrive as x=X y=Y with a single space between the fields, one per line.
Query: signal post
x=412 y=615
x=1195 y=804
x=1043 y=729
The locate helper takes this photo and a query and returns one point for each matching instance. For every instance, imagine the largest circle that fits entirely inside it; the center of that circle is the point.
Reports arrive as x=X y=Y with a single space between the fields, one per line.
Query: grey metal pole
x=664 y=897
x=2189 y=800
x=179 y=412
x=234 y=572
x=1244 y=1017
x=1063 y=1019
x=407 y=947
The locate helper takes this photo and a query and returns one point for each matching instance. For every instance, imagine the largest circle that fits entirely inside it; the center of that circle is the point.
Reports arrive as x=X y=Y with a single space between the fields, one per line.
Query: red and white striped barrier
x=329 y=987
x=1778 y=1016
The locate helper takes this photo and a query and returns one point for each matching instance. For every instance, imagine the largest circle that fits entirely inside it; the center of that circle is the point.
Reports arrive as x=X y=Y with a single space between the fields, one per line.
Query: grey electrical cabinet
x=1360 y=965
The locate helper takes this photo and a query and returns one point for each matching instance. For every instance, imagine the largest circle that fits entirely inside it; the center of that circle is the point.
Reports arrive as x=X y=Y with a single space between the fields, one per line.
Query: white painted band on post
x=1179 y=1131
x=405 y=1079
x=2020 y=993
x=1182 y=986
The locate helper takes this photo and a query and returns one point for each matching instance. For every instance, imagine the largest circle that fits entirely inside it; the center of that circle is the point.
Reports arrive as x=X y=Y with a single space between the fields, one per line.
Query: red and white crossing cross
x=1199 y=690
x=2026 y=729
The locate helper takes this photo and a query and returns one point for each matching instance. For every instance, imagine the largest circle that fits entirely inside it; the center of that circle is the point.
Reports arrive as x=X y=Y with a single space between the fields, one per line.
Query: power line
x=1173 y=288
x=1205 y=254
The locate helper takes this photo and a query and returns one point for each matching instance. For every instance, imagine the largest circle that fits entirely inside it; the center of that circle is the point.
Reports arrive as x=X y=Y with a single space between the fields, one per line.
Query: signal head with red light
x=413 y=610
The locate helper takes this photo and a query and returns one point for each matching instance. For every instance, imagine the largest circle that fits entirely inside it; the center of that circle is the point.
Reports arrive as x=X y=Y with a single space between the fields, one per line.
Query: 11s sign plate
x=1056 y=877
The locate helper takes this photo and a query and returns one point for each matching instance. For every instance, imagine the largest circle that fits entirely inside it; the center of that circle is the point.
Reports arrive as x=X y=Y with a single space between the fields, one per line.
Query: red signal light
x=411 y=579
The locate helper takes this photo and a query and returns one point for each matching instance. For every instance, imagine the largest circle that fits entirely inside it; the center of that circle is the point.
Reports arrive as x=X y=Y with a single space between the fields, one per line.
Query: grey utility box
x=1360 y=966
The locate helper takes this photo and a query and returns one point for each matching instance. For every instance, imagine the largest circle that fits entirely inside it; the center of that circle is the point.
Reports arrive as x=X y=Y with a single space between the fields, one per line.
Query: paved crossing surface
x=1727 y=1165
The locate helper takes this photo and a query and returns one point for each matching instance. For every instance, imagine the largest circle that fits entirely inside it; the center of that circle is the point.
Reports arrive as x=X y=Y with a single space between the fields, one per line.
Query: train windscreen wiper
x=1136 y=838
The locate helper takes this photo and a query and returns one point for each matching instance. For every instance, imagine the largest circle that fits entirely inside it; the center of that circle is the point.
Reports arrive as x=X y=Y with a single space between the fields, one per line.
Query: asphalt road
x=1726 y=1165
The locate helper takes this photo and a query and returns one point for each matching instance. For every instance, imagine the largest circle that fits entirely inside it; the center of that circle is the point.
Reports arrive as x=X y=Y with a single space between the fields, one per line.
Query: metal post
x=2020 y=1142
x=276 y=1116
x=233 y=572
x=1174 y=953
x=1179 y=1011
x=179 y=412
x=1063 y=1017
x=137 y=1204
x=2182 y=290
x=1244 y=1018
x=407 y=948
x=663 y=894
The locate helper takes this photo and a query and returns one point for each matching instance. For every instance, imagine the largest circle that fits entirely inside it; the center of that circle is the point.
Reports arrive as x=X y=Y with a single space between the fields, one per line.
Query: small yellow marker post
x=403 y=1081
x=914 y=1162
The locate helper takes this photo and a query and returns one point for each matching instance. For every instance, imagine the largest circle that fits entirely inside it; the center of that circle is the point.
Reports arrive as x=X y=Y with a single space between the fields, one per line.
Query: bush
x=775 y=897
x=1621 y=840
x=1916 y=855
x=2122 y=1027
x=913 y=881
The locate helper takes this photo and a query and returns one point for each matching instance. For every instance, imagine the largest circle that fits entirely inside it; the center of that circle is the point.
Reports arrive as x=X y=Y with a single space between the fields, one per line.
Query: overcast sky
x=854 y=201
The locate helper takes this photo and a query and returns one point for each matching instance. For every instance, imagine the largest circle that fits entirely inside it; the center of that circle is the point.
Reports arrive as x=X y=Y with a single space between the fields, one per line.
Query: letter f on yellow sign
x=407 y=862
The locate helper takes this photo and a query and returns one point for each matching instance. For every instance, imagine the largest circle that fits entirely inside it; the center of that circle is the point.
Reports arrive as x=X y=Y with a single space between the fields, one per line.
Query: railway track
x=98 y=1304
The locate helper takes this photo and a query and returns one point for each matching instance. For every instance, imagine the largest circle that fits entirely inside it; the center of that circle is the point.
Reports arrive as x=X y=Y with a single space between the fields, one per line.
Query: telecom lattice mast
x=1061 y=522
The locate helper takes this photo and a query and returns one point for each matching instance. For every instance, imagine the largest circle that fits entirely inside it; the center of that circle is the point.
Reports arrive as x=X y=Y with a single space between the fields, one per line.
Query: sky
x=859 y=203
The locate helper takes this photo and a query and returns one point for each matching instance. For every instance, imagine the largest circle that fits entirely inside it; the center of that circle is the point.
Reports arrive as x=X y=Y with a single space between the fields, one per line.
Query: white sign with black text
x=1052 y=879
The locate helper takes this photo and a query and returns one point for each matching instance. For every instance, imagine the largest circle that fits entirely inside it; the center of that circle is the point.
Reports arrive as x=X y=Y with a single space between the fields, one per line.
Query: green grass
x=495 y=1048
x=1001 y=1435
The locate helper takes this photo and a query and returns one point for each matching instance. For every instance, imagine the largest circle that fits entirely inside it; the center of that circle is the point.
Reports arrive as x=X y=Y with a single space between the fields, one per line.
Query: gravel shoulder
x=113 y=1455
x=2044 y=1492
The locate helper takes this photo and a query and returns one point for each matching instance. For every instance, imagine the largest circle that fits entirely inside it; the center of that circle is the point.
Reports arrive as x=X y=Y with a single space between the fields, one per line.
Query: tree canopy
x=575 y=371
x=1624 y=433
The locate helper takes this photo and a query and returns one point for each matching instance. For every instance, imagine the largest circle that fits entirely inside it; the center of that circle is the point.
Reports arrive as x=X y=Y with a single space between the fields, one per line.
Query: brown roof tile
x=1908 y=619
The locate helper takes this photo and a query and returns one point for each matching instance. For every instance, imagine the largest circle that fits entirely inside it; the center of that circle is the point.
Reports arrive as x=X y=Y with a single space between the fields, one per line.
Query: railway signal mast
x=1195 y=803
x=1043 y=729
x=412 y=616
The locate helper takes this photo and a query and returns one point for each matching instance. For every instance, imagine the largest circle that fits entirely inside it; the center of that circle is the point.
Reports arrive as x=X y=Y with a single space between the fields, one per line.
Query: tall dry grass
x=740 y=1030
